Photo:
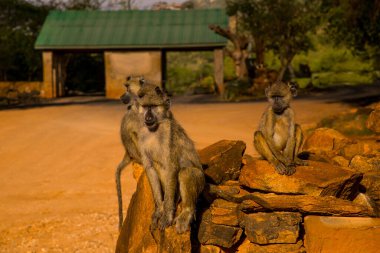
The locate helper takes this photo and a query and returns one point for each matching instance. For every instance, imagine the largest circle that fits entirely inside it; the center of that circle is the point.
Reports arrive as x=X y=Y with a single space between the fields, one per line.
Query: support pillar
x=48 y=86
x=218 y=70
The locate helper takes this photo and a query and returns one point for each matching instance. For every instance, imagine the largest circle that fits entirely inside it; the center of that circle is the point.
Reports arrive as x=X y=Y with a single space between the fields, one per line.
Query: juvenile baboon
x=170 y=161
x=130 y=125
x=279 y=139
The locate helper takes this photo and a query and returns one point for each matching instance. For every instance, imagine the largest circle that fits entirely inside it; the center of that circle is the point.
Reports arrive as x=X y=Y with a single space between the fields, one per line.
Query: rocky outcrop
x=248 y=207
x=222 y=161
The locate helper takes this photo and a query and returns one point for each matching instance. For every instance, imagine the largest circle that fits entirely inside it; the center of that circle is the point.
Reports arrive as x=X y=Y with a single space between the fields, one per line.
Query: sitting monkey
x=170 y=160
x=279 y=139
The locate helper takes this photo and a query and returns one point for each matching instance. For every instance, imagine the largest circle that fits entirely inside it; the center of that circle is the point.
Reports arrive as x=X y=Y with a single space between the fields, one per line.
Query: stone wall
x=119 y=65
x=247 y=207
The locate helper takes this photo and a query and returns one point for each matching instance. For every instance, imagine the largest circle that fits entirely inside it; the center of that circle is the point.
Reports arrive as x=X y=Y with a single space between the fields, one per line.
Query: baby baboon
x=170 y=161
x=279 y=139
x=130 y=125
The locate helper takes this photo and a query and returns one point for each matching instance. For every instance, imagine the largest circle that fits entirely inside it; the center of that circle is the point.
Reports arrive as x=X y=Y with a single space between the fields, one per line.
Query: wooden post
x=218 y=70
x=47 y=90
x=163 y=69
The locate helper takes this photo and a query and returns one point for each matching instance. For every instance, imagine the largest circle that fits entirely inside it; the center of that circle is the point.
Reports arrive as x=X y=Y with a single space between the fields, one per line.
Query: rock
x=269 y=228
x=216 y=234
x=222 y=160
x=341 y=234
x=365 y=164
x=325 y=140
x=317 y=179
x=371 y=184
x=364 y=200
x=357 y=148
x=248 y=247
x=135 y=235
x=340 y=161
x=210 y=249
x=373 y=121
x=224 y=213
x=306 y=204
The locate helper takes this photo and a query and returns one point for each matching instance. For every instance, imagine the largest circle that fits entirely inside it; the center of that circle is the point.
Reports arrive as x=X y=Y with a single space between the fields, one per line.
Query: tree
x=280 y=25
x=354 y=23
x=239 y=50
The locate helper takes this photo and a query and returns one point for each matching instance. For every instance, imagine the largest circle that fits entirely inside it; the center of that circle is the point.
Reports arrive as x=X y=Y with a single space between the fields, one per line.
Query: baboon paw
x=156 y=216
x=165 y=221
x=290 y=170
x=182 y=223
x=281 y=169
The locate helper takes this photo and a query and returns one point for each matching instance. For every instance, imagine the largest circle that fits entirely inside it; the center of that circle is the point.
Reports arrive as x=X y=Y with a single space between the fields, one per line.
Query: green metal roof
x=131 y=29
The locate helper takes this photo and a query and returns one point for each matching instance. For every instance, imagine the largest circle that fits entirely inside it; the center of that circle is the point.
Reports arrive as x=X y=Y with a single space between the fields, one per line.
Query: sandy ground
x=57 y=191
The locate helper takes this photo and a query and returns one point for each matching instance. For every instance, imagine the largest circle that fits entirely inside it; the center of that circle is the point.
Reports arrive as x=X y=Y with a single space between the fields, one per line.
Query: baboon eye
x=129 y=78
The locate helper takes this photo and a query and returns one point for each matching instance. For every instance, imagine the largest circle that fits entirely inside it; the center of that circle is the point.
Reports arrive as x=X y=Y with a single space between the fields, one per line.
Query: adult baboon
x=170 y=161
x=130 y=125
x=279 y=139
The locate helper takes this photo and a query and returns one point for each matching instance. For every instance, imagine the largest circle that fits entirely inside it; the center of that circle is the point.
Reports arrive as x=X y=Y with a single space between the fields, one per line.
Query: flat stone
x=325 y=140
x=216 y=234
x=269 y=228
x=317 y=179
x=365 y=164
x=248 y=247
x=222 y=161
x=224 y=213
x=373 y=121
x=341 y=234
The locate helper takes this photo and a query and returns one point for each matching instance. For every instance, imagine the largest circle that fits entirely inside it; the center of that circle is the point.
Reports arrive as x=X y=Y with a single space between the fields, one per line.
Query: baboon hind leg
x=191 y=184
x=126 y=160
x=264 y=150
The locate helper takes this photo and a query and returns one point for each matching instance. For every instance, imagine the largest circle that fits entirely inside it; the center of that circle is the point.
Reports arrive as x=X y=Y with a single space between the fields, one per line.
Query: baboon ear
x=158 y=91
x=167 y=103
x=293 y=88
x=267 y=90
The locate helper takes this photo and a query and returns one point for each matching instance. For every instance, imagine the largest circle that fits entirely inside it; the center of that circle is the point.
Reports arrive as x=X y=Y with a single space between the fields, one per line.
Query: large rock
x=373 y=121
x=135 y=235
x=356 y=148
x=269 y=228
x=224 y=212
x=365 y=164
x=317 y=179
x=216 y=234
x=248 y=247
x=222 y=160
x=325 y=140
x=341 y=234
x=371 y=184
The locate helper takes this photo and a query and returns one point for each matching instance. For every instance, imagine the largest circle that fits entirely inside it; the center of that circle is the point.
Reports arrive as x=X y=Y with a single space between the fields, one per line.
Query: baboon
x=130 y=125
x=170 y=161
x=279 y=139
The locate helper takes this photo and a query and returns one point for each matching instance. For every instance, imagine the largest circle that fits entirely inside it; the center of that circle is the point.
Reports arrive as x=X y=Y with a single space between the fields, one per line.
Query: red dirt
x=57 y=190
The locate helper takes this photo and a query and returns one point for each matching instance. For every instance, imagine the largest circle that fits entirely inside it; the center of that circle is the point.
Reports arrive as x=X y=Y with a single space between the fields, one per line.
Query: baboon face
x=154 y=106
x=279 y=95
x=132 y=85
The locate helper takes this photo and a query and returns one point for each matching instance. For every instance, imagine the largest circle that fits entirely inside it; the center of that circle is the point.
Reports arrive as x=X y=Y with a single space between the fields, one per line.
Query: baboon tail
x=126 y=160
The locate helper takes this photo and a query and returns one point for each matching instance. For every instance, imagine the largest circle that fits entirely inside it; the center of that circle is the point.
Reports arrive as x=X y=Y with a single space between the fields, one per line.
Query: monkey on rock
x=279 y=138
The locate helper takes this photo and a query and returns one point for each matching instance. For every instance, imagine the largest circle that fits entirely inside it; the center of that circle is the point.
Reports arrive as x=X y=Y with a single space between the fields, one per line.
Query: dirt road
x=57 y=191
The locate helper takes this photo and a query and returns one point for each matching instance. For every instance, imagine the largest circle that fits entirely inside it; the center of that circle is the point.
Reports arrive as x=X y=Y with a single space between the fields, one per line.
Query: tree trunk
x=259 y=51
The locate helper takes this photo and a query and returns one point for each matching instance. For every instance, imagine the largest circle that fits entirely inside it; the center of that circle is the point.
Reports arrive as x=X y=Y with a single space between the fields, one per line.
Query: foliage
x=20 y=23
x=354 y=23
x=280 y=25
x=229 y=69
x=186 y=71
